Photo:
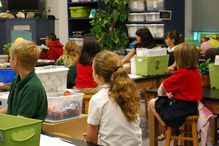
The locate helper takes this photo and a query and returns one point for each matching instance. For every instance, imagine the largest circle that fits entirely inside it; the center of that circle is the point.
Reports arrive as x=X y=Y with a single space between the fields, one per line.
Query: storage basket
x=7 y=75
x=157 y=30
x=156 y=65
x=19 y=131
x=79 y=12
x=132 y=28
x=214 y=75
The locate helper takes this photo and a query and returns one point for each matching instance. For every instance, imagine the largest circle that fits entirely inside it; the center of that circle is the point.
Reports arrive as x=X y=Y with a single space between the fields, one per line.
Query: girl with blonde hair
x=70 y=56
x=113 y=115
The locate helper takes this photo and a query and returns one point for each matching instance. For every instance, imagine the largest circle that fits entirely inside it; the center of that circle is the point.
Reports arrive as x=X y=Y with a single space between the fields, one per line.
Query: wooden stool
x=86 y=100
x=191 y=120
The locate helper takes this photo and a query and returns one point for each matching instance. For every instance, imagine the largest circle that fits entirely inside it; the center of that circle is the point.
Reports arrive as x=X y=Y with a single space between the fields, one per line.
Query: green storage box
x=19 y=131
x=79 y=12
x=155 y=65
x=214 y=75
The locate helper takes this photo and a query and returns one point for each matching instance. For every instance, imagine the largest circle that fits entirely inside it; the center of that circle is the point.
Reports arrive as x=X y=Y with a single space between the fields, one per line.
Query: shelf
x=145 y=11
x=77 y=19
x=145 y=22
x=82 y=3
x=155 y=38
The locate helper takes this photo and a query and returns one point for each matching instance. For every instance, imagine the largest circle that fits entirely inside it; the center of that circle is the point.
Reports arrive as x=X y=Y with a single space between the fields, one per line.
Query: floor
x=145 y=128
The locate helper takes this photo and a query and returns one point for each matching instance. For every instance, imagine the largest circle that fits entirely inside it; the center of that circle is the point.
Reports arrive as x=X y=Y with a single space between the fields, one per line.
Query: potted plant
x=6 y=48
x=109 y=24
x=203 y=68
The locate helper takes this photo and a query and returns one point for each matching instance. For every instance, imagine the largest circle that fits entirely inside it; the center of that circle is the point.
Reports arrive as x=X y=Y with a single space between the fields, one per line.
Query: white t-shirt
x=171 y=49
x=114 y=129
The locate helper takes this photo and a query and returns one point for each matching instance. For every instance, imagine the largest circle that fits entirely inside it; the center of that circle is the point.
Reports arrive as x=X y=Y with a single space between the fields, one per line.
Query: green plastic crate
x=19 y=131
x=155 y=65
x=214 y=75
x=79 y=12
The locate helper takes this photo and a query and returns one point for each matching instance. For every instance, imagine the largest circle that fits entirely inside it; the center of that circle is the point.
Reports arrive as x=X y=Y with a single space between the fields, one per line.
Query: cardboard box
x=70 y=128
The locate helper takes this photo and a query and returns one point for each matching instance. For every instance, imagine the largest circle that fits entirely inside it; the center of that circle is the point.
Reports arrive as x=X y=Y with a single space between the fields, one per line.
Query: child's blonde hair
x=27 y=52
x=185 y=56
x=71 y=54
x=122 y=89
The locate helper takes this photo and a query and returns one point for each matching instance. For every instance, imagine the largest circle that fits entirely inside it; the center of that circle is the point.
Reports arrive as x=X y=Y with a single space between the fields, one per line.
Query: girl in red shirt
x=84 y=79
x=178 y=95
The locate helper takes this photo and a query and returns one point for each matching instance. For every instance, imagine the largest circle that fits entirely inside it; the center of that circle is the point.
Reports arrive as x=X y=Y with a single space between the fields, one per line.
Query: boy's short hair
x=52 y=36
x=27 y=52
x=186 y=56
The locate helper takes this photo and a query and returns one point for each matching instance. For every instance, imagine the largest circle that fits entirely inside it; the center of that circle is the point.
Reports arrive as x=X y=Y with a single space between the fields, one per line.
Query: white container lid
x=50 y=69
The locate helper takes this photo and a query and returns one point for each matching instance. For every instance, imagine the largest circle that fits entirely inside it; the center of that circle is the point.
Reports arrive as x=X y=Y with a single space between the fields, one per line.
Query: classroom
x=109 y=73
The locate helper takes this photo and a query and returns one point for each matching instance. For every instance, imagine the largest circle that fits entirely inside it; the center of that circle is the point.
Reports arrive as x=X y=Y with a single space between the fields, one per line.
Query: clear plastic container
x=137 y=5
x=157 y=30
x=54 y=78
x=3 y=99
x=153 y=16
x=153 y=5
x=62 y=107
x=136 y=17
x=132 y=28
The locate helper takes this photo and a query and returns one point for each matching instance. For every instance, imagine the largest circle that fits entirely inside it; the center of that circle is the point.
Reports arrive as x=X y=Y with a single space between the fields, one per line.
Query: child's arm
x=128 y=56
x=92 y=133
x=162 y=92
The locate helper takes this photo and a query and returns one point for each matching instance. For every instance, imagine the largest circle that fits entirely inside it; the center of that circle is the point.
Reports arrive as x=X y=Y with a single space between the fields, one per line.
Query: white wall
x=58 y=8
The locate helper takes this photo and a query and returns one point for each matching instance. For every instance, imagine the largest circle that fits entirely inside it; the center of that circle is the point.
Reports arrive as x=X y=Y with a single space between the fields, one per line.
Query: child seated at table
x=69 y=59
x=113 y=116
x=27 y=96
x=178 y=95
x=84 y=79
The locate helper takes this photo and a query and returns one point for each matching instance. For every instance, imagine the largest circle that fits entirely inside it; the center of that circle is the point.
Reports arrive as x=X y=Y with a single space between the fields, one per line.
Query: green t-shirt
x=28 y=98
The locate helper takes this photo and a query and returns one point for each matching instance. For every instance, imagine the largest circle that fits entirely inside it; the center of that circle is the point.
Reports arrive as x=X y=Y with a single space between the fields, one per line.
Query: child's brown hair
x=121 y=88
x=27 y=52
x=175 y=36
x=185 y=56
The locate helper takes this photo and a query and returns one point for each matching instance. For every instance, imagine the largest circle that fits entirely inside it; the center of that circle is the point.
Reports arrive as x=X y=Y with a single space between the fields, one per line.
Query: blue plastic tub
x=7 y=75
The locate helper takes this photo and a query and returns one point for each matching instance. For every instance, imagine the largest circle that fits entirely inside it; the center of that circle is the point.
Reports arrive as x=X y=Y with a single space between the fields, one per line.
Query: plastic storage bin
x=62 y=107
x=153 y=16
x=3 y=58
x=151 y=52
x=156 y=65
x=132 y=28
x=136 y=17
x=153 y=5
x=54 y=78
x=214 y=75
x=157 y=30
x=137 y=5
x=79 y=12
x=3 y=99
x=19 y=131
x=7 y=75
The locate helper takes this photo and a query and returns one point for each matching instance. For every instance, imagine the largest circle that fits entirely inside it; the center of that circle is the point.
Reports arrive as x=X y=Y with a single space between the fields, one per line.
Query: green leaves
x=109 y=25
x=203 y=67
x=6 y=49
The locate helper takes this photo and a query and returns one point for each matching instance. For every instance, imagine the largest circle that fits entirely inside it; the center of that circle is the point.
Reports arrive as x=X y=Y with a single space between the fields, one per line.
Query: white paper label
x=216 y=60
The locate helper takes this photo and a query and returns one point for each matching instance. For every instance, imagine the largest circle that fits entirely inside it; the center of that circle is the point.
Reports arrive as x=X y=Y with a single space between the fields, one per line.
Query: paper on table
x=135 y=76
x=52 y=141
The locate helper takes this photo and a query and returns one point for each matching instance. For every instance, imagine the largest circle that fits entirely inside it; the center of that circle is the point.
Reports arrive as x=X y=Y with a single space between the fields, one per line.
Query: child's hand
x=170 y=69
x=85 y=136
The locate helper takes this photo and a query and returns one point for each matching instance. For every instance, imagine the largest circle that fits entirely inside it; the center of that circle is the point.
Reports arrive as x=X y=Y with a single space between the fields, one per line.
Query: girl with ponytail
x=113 y=115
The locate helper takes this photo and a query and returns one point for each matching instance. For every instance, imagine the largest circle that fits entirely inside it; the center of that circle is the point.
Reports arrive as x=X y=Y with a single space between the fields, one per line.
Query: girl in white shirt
x=113 y=115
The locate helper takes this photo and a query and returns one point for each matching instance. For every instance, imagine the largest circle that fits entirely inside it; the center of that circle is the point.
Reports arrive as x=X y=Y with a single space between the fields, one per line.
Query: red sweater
x=54 y=52
x=84 y=78
x=185 y=84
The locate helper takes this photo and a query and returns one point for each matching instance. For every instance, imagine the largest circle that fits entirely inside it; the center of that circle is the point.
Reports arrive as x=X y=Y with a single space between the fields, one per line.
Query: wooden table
x=210 y=100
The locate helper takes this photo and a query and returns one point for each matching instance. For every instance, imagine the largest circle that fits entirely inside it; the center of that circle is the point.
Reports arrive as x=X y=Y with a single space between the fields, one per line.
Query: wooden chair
x=86 y=100
x=185 y=135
